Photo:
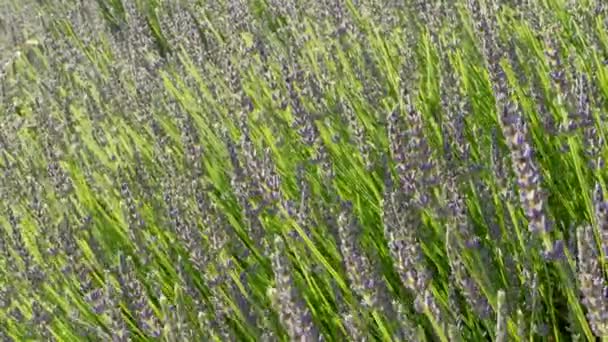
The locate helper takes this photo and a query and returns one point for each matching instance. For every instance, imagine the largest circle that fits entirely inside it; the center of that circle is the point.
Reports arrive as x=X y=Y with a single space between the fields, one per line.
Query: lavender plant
x=332 y=170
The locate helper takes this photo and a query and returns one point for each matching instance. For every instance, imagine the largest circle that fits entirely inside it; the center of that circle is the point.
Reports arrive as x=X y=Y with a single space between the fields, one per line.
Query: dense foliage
x=303 y=170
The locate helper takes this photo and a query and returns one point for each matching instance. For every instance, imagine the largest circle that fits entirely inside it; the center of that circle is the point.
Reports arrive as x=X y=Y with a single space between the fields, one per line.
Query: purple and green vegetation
x=303 y=170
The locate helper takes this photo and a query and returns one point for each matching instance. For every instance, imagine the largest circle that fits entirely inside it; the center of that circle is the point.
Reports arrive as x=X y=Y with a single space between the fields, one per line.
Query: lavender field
x=303 y=170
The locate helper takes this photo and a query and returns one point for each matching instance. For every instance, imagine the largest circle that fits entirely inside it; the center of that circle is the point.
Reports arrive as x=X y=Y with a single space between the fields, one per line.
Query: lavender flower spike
x=526 y=171
x=592 y=283
x=292 y=310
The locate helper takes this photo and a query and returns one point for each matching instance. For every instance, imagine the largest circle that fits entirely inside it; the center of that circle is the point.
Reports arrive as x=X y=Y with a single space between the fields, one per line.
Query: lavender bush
x=337 y=170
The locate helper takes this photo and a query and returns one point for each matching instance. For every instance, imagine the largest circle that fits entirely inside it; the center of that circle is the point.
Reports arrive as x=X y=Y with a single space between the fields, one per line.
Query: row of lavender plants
x=303 y=170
